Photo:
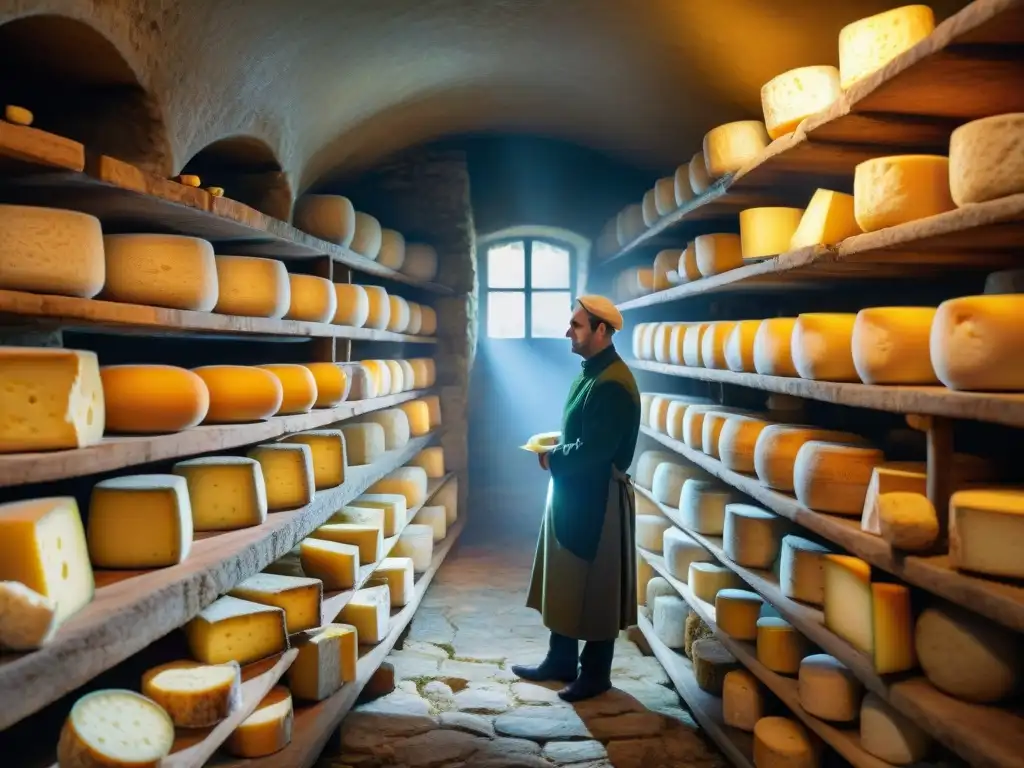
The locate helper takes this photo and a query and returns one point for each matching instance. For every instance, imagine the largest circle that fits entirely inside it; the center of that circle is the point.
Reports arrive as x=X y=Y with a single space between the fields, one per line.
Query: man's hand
x=543 y=458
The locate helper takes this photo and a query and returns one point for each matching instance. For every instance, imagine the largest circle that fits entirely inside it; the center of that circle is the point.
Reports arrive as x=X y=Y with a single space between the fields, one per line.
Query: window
x=529 y=289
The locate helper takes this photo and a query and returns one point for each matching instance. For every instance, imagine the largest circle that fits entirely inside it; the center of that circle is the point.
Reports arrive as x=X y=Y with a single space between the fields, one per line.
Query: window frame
x=527 y=290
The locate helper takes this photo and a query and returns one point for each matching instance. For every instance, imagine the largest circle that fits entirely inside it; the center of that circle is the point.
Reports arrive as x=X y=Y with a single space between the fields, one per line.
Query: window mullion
x=528 y=291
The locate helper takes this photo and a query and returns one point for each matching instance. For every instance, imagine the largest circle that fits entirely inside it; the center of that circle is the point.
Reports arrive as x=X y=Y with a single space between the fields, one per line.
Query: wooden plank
x=936 y=401
x=737 y=745
x=119 y=452
x=985 y=237
x=314 y=724
x=25 y=149
x=983 y=735
x=136 y=608
x=72 y=313
x=999 y=601
x=846 y=741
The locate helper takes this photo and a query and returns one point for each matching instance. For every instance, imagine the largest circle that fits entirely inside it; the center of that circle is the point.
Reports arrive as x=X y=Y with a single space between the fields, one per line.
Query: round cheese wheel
x=392 y=249
x=160 y=271
x=399 y=314
x=368 y=235
x=429 y=327
x=415 y=319
x=115 y=728
x=250 y=286
x=298 y=385
x=332 y=384
x=329 y=217
x=240 y=393
x=986 y=161
x=312 y=299
x=195 y=695
x=353 y=305
x=379 y=314
x=152 y=399
x=420 y=262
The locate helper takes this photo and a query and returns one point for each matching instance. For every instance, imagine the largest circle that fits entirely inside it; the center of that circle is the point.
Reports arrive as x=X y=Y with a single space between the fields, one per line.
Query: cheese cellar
x=284 y=290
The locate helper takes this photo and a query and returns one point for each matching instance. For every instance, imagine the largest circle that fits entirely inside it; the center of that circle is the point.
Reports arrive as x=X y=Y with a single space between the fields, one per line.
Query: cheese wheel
x=115 y=728
x=675 y=415
x=681 y=188
x=381 y=374
x=634 y=283
x=298 y=385
x=288 y=473
x=698 y=174
x=649 y=208
x=751 y=536
x=828 y=689
x=46 y=250
x=379 y=312
x=327 y=449
x=693 y=423
x=675 y=343
x=737 y=612
x=767 y=231
x=410 y=482
x=364 y=443
x=398 y=318
x=353 y=305
x=420 y=262
x=986 y=531
x=429 y=327
x=312 y=299
x=711 y=663
x=742 y=700
x=240 y=394
x=831 y=477
x=867 y=45
x=396 y=426
x=666 y=264
x=828 y=220
x=329 y=217
x=778 y=445
x=332 y=384
x=891 y=345
x=27 y=618
x=1005 y=281
x=780 y=647
x=822 y=346
x=659 y=587
x=252 y=287
x=397 y=374
x=788 y=99
x=729 y=147
x=160 y=271
x=717 y=253
x=662 y=342
x=712 y=344
x=975 y=343
x=650 y=531
x=772 y=347
x=780 y=742
x=408 y=375
x=708 y=579
x=680 y=552
x=693 y=339
x=416 y=542
x=737 y=441
x=195 y=695
x=225 y=492
x=702 y=506
x=665 y=196
x=739 y=346
x=889 y=735
x=267 y=730
x=986 y=159
x=366 y=241
x=888 y=191
x=392 y=249
x=362 y=385
x=152 y=399
x=419 y=417
x=415 y=319
x=432 y=461
x=630 y=224
x=668 y=481
x=647 y=463
x=689 y=269
x=669 y=619
x=802 y=570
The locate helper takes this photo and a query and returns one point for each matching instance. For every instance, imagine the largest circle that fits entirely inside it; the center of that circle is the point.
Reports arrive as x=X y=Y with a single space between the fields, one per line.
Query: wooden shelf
x=314 y=724
x=984 y=735
x=937 y=401
x=737 y=745
x=94 y=315
x=126 y=199
x=1001 y=602
x=131 y=609
x=978 y=237
x=28 y=150
x=963 y=71
x=845 y=742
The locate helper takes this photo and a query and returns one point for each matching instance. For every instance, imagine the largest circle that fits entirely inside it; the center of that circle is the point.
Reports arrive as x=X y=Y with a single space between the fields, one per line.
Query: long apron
x=589 y=599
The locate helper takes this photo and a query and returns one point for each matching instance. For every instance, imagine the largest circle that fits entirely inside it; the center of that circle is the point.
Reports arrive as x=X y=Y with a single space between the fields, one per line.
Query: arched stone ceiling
x=333 y=86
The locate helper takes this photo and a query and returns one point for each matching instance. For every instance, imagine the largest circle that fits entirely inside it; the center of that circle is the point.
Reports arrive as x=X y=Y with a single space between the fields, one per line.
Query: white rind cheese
x=867 y=45
x=680 y=552
x=822 y=346
x=670 y=620
x=729 y=147
x=891 y=345
x=789 y=98
x=975 y=343
x=888 y=191
x=828 y=689
x=27 y=618
x=986 y=159
x=751 y=536
x=650 y=531
x=802 y=570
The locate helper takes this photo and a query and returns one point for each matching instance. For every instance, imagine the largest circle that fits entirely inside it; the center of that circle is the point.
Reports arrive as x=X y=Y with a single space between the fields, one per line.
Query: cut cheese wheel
x=379 y=314
x=369 y=611
x=708 y=579
x=327 y=447
x=298 y=596
x=907 y=521
x=666 y=264
x=367 y=538
x=410 y=482
x=742 y=700
x=888 y=191
x=986 y=531
x=46 y=250
x=394 y=508
x=751 y=536
x=139 y=521
x=739 y=346
x=418 y=415
x=252 y=287
x=366 y=241
x=780 y=647
x=657 y=587
x=665 y=196
x=115 y=728
x=822 y=346
x=436 y=518
x=737 y=612
x=778 y=445
x=737 y=440
x=240 y=394
x=689 y=269
x=968 y=657
x=630 y=224
x=717 y=253
x=432 y=460
x=650 y=531
x=312 y=299
x=867 y=45
x=975 y=343
x=680 y=552
x=829 y=219
x=415 y=319
x=986 y=159
x=417 y=543
x=767 y=231
x=267 y=730
x=802 y=570
x=649 y=208
x=353 y=305
x=288 y=474
x=298 y=387
x=392 y=249
x=698 y=174
x=225 y=492
x=332 y=383
x=329 y=217
x=702 y=506
x=399 y=575
x=890 y=345
x=364 y=443
x=398 y=316
x=420 y=262
x=780 y=742
x=772 y=347
x=195 y=695
x=152 y=399
x=160 y=271
x=647 y=463
x=711 y=663
x=889 y=735
x=681 y=186
x=831 y=477
x=669 y=479
x=693 y=339
x=316 y=672
x=429 y=327
x=729 y=147
x=395 y=422
x=828 y=689
x=712 y=344
x=788 y=99
x=669 y=620
x=27 y=618
x=230 y=629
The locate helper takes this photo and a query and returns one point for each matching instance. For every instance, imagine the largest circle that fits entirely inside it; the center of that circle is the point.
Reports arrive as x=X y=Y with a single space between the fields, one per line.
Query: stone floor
x=456 y=704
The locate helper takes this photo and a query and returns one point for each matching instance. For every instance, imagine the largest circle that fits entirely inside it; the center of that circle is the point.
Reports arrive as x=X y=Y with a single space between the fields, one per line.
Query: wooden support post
x=940 y=471
x=324 y=350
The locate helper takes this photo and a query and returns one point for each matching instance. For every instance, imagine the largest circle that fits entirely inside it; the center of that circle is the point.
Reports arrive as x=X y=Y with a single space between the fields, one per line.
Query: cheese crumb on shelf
x=152 y=399
x=160 y=271
x=975 y=343
x=888 y=191
x=115 y=728
x=986 y=159
x=195 y=695
x=767 y=232
x=789 y=98
x=828 y=689
x=868 y=44
x=251 y=286
x=230 y=629
x=267 y=730
x=729 y=147
x=240 y=394
x=287 y=473
x=18 y=115
x=27 y=618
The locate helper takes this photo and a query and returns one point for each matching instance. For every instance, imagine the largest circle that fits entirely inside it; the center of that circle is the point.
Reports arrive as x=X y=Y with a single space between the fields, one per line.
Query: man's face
x=579 y=332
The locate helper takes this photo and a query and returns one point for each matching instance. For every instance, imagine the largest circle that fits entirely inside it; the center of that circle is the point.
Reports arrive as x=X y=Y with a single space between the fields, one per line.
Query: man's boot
x=560 y=664
x=596 y=672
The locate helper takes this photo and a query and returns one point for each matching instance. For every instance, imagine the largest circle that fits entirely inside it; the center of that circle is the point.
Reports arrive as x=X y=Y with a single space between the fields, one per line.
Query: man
x=584 y=571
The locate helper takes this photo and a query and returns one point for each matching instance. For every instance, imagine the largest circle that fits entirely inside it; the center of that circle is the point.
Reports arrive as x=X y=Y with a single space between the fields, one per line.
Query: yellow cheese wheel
x=399 y=314
x=392 y=249
x=298 y=385
x=313 y=299
x=767 y=231
x=380 y=375
x=429 y=321
x=152 y=399
x=397 y=377
x=895 y=190
x=160 y=271
x=789 y=98
x=379 y=314
x=240 y=393
x=250 y=286
x=353 y=305
x=415 y=319
x=773 y=354
x=331 y=384
x=717 y=253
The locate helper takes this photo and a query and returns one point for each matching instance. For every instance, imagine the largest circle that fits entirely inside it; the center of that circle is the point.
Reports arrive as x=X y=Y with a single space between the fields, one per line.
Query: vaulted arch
x=248 y=171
